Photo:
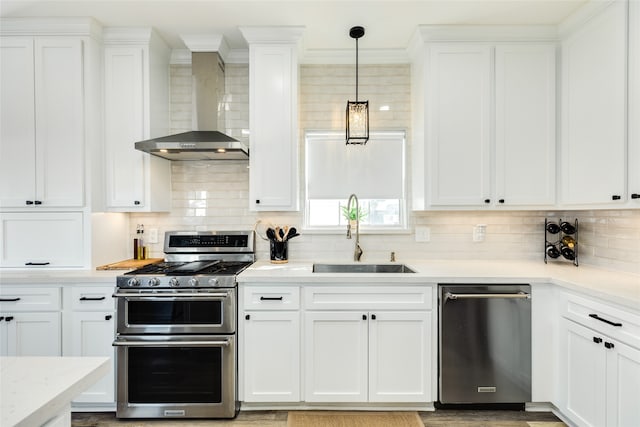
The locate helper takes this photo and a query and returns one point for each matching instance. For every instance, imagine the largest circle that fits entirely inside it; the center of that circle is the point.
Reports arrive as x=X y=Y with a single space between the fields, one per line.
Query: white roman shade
x=334 y=170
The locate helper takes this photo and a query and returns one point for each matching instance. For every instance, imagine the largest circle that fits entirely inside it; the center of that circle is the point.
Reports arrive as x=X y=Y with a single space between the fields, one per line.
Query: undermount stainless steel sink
x=361 y=268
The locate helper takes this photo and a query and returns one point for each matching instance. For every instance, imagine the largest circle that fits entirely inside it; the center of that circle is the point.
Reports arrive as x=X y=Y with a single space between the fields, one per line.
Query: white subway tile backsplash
x=214 y=195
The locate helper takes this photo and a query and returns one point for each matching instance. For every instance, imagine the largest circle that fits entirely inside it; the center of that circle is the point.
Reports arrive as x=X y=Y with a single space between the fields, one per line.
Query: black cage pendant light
x=358 y=111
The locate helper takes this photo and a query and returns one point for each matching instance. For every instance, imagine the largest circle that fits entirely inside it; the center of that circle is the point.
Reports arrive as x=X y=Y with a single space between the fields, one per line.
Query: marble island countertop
x=617 y=287
x=34 y=390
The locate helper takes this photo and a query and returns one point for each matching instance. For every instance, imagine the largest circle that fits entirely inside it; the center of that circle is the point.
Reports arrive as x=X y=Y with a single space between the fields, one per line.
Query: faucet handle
x=358 y=253
x=348 y=230
x=393 y=257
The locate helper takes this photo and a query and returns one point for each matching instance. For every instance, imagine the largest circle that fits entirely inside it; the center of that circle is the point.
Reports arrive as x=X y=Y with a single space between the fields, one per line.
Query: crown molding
x=207 y=43
x=76 y=27
x=487 y=33
x=272 y=34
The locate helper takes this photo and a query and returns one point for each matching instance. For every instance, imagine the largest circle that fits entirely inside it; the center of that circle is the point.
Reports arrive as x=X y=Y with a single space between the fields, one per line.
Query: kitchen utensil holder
x=555 y=240
x=278 y=251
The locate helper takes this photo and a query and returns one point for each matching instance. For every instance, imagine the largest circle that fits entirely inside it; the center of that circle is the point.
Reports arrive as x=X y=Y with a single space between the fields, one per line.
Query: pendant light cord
x=356 y=70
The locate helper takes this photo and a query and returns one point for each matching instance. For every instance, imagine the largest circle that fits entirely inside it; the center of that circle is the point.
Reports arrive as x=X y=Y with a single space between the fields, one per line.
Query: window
x=374 y=172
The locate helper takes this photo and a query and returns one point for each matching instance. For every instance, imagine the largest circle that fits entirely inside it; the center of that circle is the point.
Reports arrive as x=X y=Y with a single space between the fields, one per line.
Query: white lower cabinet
x=270 y=343
x=599 y=365
x=356 y=356
x=271 y=356
x=30 y=321
x=372 y=344
x=89 y=330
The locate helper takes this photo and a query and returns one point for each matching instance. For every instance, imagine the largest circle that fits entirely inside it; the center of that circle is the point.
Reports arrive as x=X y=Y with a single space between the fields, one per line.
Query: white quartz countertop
x=35 y=389
x=617 y=287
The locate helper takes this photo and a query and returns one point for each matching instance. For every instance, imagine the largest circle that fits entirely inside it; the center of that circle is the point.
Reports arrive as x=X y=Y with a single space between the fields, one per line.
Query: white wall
x=214 y=194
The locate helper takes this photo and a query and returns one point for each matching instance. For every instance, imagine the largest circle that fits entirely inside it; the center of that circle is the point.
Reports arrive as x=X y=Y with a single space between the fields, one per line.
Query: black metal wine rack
x=561 y=241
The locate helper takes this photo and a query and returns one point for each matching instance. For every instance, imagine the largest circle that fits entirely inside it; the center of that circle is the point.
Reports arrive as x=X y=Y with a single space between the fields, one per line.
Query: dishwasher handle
x=519 y=295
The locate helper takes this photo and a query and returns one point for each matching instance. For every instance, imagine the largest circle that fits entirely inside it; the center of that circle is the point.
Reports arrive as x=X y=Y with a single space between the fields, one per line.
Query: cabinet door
x=271 y=356
x=59 y=123
x=585 y=373
x=335 y=356
x=38 y=239
x=525 y=124
x=32 y=334
x=92 y=334
x=124 y=125
x=17 y=115
x=594 y=109
x=633 y=166
x=400 y=357
x=623 y=386
x=459 y=135
x=274 y=137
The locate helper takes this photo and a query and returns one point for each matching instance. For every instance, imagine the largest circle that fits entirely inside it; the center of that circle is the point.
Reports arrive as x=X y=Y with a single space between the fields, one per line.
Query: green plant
x=353 y=214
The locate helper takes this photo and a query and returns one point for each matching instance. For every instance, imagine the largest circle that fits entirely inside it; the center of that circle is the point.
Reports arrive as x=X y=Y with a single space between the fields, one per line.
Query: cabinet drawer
x=612 y=321
x=271 y=298
x=86 y=298
x=29 y=299
x=368 y=297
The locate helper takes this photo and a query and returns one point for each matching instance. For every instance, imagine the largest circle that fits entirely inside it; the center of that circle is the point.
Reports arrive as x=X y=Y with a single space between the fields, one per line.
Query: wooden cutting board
x=129 y=264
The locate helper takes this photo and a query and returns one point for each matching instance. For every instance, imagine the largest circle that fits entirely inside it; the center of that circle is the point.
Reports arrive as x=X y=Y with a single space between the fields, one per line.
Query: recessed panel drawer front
x=271 y=298
x=29 y=299
x=368 y=297
x=612 y=321
x=88 y=298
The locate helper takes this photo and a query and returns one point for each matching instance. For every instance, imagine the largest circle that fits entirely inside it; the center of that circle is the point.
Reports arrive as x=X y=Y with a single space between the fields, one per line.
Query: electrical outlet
x=153 y=235
x=479 y=232
x=423 y=234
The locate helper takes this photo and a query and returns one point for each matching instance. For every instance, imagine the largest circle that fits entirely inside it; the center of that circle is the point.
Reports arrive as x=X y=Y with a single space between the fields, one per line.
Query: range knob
x=174 y=282
x=213 y=281
x=154 y=281
x=133 y=282
x=193 y=282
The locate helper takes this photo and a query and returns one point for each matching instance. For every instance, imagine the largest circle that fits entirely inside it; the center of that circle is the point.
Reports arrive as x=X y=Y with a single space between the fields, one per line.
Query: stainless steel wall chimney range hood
x=204 y=142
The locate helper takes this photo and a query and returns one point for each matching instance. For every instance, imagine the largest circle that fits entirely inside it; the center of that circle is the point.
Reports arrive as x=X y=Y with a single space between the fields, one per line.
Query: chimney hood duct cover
x=204 y=142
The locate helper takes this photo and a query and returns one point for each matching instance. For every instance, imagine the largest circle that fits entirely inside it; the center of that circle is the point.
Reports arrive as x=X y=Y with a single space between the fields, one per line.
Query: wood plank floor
x=439 y=418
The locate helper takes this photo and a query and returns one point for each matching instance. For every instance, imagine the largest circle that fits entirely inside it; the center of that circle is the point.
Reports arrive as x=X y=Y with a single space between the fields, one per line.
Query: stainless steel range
x=176 y=328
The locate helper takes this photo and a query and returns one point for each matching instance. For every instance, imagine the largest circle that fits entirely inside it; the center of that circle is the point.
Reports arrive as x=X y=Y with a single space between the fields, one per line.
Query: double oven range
x=176 y=328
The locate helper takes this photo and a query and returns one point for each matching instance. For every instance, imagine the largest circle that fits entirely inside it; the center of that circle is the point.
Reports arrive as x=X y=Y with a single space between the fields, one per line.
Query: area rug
x=353 y=419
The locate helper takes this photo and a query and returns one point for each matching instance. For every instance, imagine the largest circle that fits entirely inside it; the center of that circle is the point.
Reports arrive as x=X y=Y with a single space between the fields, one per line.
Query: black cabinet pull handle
x=1 y=318
x=92 y=298
x=609 y=345
x=595 y=316
x=487 y=200
x=364 y=317
x=501 y=201
x=373 y=317
x=257 y=201
x=270 y=298
x=29 y=202
x=108 y=317
x=37 y=263
x=247 y=317
x=10 y=299
x=8 y=318
x=615 y=197
x=37 y=202
x=635 y=196
x=136 y=202
x=597 y=340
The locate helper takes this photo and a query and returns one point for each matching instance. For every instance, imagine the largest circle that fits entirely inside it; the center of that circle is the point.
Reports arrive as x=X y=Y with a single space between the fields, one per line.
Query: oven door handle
x=149 y=296
x=170 y=343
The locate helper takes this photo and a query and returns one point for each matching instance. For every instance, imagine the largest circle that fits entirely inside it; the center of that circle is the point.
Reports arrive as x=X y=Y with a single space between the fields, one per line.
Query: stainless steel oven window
x=170 y=313
x=186 y=376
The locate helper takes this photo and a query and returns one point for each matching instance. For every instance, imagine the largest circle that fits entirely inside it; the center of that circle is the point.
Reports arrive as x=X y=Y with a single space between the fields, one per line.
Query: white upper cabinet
x=42 y=143
x=525 y=157
x=273 y=117
x=484 y=119
x=633 y=166
x=136 y=95
x=459 y=136
x=594 y=76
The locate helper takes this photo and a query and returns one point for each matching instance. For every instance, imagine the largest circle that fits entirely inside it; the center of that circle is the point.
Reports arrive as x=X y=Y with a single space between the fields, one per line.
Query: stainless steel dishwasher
x=484 y=344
